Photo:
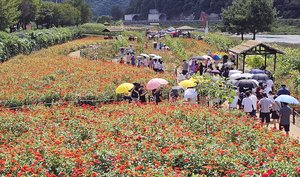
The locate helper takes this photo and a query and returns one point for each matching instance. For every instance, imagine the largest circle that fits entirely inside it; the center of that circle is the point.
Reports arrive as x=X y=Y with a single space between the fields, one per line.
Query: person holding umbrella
x=248 y=104
x=264 y=106
x=128 y=59
x=284 y=115
x=135 y=94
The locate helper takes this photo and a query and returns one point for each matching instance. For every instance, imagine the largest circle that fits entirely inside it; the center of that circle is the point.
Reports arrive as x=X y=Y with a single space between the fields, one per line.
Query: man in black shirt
x=142 y=93
x=135 y=94
x=158 y=95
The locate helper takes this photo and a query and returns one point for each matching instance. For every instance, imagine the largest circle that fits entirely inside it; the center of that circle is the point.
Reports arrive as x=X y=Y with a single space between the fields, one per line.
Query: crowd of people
x=262 y=100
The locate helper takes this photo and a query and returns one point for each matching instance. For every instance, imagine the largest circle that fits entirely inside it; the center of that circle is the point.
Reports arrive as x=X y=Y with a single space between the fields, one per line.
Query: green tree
x=116 y=12
x=261 y=16
x=103 y=18
x=235 y=19
x=249 y=16
x=29 y=11
x=45 y=15
x=83 y=7
x=66 y=15
x=9 y=13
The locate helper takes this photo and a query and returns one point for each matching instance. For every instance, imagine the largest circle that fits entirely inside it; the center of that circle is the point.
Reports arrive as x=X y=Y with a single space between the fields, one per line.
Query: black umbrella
x=199 y=58
x=178 y=89
x=248 y=83
x=260 y=77
x=137 y=85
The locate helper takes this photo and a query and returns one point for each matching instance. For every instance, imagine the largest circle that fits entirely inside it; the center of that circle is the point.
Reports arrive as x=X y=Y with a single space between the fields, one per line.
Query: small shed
x=253 y=47
x=106 y=24
x=186 y=28
x=111 y=31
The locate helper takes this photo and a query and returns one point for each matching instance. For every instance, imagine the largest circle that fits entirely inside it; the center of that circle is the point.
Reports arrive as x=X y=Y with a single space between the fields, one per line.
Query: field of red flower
x=141 y=140
x=49 y=75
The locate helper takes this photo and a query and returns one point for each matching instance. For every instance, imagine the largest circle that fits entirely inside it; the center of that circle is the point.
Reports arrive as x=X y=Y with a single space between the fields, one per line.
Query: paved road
x=292 y=39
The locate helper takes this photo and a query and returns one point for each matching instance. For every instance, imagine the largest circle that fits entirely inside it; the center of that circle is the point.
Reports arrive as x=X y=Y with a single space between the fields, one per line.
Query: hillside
x=174 y=8
x=101 y=7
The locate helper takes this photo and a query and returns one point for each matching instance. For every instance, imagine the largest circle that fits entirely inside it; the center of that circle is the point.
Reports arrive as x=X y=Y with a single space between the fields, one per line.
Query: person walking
x=142 y=93
x=275 y=112
x=132 y=60
x=284 y=115
x=135 y=94
x=161 y=67
x=155 y=65
x=247 y=104
x=283 y=90
x=201 y=68
x=254 y=100
x=264 y=106
x=185 y=67
x=150 y=64
x=128 y=57
x=145 y=62
x=158 y=95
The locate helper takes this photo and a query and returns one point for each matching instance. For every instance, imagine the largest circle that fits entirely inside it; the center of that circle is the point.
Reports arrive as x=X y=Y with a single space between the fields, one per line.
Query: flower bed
x=140 y=140
x=49 y=75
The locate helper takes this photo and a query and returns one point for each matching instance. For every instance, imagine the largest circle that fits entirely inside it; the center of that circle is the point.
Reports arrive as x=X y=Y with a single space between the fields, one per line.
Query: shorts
x=265 y=116
x=253 y=113
x=155 y=69
x=184 y=72
x=286 y=127
x=275 y=115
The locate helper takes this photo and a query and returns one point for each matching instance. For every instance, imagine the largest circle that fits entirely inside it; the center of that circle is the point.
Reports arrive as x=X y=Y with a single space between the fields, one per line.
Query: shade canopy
x=186 y=28
x=253 y=47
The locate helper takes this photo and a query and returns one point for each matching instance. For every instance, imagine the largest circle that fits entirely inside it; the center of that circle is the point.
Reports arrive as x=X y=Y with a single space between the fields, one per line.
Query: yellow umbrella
x=193 y=80
x=124 y=88
x=187 y=83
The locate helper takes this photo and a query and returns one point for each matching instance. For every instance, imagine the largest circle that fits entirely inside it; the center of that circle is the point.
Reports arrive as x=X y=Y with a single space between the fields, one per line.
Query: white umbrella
x=189 y=93
x=235 y=76
x=207 y=57
x=233 y=72
x=246 y=75
x=145 y=55
x=152 y=55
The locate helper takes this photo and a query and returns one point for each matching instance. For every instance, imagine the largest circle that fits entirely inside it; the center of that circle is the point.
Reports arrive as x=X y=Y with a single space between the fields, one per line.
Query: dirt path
x=294 y=130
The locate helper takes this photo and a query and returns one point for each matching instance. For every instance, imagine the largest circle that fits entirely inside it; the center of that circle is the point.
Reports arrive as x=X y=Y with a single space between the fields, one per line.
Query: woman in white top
x=161 y=67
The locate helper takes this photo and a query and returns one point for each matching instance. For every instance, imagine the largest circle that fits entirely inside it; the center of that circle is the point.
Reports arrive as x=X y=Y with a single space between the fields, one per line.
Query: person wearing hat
x=158 y=95
x=142 y=93
x=283 y=90
x=264 y=106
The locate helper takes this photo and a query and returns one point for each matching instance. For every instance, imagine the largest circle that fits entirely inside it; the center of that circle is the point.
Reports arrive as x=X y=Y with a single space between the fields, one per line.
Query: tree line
x=46 y=13
x=174 y=8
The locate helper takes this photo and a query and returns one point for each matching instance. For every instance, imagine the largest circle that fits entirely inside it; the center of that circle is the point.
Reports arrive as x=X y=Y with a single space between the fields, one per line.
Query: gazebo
x=252 y=47
x=186 y=28
x=112 y=30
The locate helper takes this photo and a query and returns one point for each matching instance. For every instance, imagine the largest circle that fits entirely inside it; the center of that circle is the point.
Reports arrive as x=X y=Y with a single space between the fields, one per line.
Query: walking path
x=294 y=130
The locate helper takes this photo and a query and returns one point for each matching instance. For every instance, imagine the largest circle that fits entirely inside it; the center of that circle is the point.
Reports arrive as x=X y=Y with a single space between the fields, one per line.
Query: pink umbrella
x=155 y=83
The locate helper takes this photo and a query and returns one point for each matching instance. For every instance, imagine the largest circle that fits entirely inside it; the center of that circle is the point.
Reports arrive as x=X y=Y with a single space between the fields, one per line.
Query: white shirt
x=161 y=66
x=267 y=89
x=234 y=102
x=247 y=102
x=156 y=65
x=254 y=101
x=269 y=83
x=181 y=77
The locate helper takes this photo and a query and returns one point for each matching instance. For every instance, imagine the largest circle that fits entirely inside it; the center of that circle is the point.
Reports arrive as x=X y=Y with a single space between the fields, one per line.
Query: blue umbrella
x=217 y=57
x=189 y=93
x=256 y=71
x=287 y=99
x=157 y=57
x=162 y=31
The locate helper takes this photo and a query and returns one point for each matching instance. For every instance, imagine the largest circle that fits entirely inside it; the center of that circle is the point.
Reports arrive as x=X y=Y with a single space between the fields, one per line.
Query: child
x=181 y=77
x=161 y=67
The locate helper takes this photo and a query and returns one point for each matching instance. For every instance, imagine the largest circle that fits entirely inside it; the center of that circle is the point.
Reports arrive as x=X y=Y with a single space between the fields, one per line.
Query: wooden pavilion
x=252 y=47
x=112 y=31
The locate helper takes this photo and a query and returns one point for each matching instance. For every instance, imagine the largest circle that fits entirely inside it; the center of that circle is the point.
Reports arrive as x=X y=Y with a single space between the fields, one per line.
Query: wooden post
x=274 y=63
x=237 y=62
x=244 y=62
x=294 y=116
x=265 y=61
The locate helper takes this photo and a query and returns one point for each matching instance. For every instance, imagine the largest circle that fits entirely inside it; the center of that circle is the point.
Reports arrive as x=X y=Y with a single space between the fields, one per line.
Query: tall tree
x=116 y=12
x=83 y=7
x=29 y=11
x=249 y=16
x=9 y=13
x=66 y=15
x=45 y=15
x=235 y=18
